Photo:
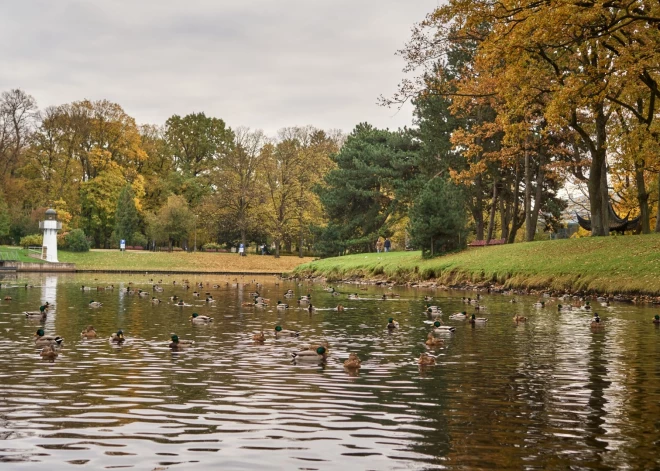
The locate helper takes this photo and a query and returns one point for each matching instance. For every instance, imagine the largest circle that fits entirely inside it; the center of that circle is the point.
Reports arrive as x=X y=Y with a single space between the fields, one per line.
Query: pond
x=548 y=393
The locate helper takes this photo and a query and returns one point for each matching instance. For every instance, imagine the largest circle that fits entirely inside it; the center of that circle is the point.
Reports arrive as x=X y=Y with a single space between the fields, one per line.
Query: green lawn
x=622 y=264
x=19 y=254
x=179 y=261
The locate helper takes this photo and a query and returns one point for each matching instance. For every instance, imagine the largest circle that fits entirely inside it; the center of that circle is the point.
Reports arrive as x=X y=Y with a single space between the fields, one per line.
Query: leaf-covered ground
x=180 y=261
x=616 y=264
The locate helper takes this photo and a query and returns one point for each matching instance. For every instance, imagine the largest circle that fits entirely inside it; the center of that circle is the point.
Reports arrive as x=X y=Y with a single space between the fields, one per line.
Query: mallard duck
x=178 y=344
x=260 y=337
x=433 y=309
x=209 y=299
x=197 y=319
x=42 y=340
x=353 y=296
x=440 y=328
x=320 y=354
x=88 y=332
x=539 y=304
x=426 y=360
x=262 y=300
x=595 y=323
x=281 y=305
x=459 y=316
x=7 y=298
x=656 y=319
x=392 y=324
x=431 y=341
x=196 y=294
x=174 y=298
x=35 y=315
x=279 y=332
x=428 y=298
x=339 y=308
x=155 y=300
x=519 y=319
x=304 y=299
x=478 y=320
x=248 y=304
x=158 y=289
x=117 y=337
x=44 y=307
x=85 y=288
x=143 y=294
x=353 y=361
x=48 y=353
x=587 y=306
x=561 y=307
x=93 y=303
x=110 y=287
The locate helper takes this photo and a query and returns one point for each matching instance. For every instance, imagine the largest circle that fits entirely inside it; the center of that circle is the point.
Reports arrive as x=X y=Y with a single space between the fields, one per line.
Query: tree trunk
x=657 y=218
x=642 y=197
x=300 y=242
x=491 y=220
x=277 y=248
x=540 y=178
x=529 y=229
x=598 y=195
x=478 y=209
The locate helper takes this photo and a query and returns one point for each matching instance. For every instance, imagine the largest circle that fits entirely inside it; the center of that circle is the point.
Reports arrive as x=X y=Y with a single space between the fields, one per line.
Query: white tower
x=50 y=227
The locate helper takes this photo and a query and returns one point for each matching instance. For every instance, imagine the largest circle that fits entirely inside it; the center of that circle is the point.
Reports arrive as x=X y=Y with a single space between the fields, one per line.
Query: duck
x=339 y=308
x=248 y=304
x=281 y=305
x=392 y=324
x=433 y=309
x=42 y=340
x=7 y=298
x=93 y=303
x=279 y=332
x=539 y=304
x=35 y=315
x=353 y=296
x=196 y=294
x=158 y=289
x=426 y=360
x=561 y=307
x=144 y=294
x=656 y=319
x=155 y=300
x=209 y=299
x=439 y=328
x=314 y=346
x=431 y=341
x=311 y=309
x=587 y=306
x=428 y=298
x=262 y=300
x=88 y=332
x=48 y=353
x=320 y=354
x=304 y=299
x=260 y=337
x=117 y=337
x=85 y=288
x=519 y=319
x=459 y=316
x=353 y=361
x=197 y=319
x=178 y=344
x=174 y=298
x=595 y=323
x=477 y=320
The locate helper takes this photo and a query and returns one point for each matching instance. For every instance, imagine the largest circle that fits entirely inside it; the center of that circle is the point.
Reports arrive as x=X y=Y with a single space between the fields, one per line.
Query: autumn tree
x=127 y=219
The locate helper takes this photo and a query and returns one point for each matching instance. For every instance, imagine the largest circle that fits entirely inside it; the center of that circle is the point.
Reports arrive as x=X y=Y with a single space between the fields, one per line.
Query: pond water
x=547 y=394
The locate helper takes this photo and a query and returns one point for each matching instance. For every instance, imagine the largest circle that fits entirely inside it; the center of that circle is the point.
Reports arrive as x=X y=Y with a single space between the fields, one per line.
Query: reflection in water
x=549 y=393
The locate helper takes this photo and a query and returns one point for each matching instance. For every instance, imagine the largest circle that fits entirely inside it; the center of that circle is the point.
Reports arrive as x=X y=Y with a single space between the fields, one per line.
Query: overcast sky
x=258 y=63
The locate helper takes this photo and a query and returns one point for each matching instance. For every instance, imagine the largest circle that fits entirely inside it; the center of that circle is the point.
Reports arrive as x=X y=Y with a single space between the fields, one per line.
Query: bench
x=482 y=243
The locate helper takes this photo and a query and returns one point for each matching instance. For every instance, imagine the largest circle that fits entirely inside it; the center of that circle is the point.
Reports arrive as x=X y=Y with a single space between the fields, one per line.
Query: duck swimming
x=353 y=361
x=392 y=324
x=439 y=328
x=93 y=303
x=656 y=319
x=281 y=305
x=88 y=332
x=320 y=354
x=42 y=340
x=279 y=332
x=595 y=323
x=260 y=337
x=48 y=353
x=478 y=320
x=117 y=337
x=197 y=319
x=459 y=316
x=178 y=344
x=519 y=319
x=431 y=341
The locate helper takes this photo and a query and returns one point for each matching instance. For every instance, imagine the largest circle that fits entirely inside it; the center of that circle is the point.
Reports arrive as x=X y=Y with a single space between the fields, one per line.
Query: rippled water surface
x=547 y=394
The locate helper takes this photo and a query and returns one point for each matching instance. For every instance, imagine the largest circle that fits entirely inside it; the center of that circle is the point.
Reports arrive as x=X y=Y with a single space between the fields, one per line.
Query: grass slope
x=19 y=254
x=179 y=261
x=629 y=264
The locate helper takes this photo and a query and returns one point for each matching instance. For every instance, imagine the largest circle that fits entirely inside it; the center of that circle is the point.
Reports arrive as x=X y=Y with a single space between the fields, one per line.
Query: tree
x=99 y=204
x=360 y=196
x=127 y=219
x=438 y=218
x=172 y=223
x=5 y=222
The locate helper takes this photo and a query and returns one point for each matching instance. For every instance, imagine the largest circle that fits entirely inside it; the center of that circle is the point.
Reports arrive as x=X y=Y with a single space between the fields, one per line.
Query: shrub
x=76 y=241
x=34 y=239
x=139 y=239
x=211 y=245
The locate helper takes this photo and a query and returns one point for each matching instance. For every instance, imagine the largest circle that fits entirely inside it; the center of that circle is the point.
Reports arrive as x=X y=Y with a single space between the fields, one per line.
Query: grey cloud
x=263 y=64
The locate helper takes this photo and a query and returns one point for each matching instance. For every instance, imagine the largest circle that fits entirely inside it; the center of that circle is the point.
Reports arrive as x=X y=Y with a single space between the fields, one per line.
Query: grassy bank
x=18 y=254
x=629 y=264
x=164 y=261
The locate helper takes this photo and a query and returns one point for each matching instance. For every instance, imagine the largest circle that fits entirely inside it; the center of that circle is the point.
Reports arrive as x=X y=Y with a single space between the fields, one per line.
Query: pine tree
x=126 y=218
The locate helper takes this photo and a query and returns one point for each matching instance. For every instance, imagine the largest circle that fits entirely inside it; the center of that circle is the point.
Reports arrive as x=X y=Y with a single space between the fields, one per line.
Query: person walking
x=388 y=244
x=379 y=245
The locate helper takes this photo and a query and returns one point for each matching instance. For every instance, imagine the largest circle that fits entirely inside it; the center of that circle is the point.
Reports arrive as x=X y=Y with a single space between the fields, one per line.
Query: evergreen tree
x=126 y=218
x=438 y=218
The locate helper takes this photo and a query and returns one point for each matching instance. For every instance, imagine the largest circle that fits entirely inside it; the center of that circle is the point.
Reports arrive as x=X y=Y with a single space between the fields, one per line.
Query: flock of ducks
x=50 y=344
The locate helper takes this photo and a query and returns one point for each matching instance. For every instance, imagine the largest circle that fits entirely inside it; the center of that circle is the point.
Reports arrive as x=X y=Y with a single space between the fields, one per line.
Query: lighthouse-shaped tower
x=50 y=227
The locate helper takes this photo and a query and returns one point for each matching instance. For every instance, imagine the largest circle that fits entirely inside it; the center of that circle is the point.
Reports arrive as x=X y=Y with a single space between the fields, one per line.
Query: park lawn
x=202 y=262
x=18 y=254
x=615 y=264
